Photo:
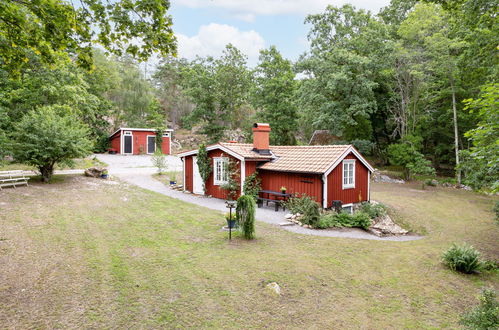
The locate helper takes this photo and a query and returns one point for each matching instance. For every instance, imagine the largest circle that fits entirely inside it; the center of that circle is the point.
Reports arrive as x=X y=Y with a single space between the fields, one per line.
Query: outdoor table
x=272 y=196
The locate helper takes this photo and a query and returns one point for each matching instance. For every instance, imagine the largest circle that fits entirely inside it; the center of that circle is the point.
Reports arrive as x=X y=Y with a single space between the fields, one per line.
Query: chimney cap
x=261 y=125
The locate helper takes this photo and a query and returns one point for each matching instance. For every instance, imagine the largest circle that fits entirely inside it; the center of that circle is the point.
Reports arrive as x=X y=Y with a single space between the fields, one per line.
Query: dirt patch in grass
x=82 y=253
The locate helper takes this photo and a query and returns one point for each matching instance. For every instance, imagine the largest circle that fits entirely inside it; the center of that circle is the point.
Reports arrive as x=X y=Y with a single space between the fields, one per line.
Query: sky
x=204 y=27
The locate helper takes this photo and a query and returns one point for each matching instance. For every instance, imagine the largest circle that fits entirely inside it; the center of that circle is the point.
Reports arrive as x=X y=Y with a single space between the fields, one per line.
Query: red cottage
x=327 y=173
x=136 y=141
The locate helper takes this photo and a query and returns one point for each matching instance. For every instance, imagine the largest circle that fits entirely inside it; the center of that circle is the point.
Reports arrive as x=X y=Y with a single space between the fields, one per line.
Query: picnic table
x=276 y=197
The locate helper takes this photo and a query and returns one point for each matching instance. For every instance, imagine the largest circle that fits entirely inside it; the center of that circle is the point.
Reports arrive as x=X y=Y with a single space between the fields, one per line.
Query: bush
x=252 y=185
x=373 y=210
x=406 y=155
x=307 y=207
x=496 y=211
x=485 y=315
x=159 y=161
x=464 y=258
x=358 y=220
x=365 y=147
x=245 y=211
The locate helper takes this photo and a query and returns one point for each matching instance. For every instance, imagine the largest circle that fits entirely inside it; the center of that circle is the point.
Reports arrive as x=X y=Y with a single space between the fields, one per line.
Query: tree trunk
x=46 y=171
x=456 y=135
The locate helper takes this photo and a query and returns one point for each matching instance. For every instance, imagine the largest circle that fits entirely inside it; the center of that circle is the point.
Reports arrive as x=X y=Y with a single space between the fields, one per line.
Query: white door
x=197 y=181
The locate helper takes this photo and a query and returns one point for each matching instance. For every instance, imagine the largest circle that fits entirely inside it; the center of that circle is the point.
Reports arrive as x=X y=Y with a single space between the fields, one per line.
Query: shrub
x=464 y=258
x=361 y=220
x=245 y=211
x=307 y=207
x=252 y=185
x=159 y=161
x=358 y=220
x=496 y=211
x=407 y=156
x=485 y=315
x=373 y=210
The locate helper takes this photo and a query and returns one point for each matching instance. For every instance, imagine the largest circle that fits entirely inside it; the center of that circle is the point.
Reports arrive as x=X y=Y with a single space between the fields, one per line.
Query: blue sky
x=204 y=27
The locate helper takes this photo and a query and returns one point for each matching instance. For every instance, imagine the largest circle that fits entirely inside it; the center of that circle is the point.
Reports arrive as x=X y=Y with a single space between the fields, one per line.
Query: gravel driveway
x=138 y=170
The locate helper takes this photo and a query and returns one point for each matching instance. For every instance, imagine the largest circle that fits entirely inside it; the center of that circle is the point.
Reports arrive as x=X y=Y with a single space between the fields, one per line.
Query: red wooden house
x=136 y=141
x=327 y=173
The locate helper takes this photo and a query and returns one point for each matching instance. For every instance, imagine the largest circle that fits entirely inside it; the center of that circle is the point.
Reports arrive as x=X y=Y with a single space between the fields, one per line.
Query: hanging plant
x=204 y=165
x=232 y=185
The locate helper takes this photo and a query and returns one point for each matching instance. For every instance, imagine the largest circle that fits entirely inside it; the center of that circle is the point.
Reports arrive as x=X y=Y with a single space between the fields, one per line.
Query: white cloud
x=212 y=39
x=241 y=8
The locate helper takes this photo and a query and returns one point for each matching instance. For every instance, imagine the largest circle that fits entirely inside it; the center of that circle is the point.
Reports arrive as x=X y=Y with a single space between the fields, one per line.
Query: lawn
x=89 y=253
x=80 y=163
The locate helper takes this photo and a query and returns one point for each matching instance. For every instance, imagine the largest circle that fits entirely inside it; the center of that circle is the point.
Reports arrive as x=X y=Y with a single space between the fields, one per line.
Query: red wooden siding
x=165 y=145
x=188 y=173
x=250 y=168
x=116 y=142
x=335 y=190
x=211 y=189
x=310 y=184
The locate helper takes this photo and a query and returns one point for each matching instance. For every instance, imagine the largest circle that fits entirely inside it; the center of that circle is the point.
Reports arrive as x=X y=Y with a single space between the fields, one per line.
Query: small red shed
x=326 y=173
x=136 y=141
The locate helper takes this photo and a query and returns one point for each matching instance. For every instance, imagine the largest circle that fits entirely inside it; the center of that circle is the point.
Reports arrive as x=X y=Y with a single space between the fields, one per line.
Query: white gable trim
x=210 y=148
x=345 y=153
x=139 y=129
x=324 y=189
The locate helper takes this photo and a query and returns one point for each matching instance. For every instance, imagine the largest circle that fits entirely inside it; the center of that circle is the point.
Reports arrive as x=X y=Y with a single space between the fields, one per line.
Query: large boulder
x=385 y=226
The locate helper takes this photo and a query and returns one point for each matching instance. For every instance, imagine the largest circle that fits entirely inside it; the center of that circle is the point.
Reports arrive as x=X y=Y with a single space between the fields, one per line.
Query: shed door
x=128 y=144
x=197 y=181
x=151 y=144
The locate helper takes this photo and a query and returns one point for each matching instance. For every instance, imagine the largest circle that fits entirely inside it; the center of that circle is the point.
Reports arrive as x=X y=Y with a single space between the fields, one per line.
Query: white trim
x=123 y=142
x=345 y=153
x=183 y=164
x=243 y=175
x=147 y=144
x=369 y=186
x=343 y=184
x=222 y=160
x=324 y=187
x=139 y=129
x=347 y=205
x=210 y=148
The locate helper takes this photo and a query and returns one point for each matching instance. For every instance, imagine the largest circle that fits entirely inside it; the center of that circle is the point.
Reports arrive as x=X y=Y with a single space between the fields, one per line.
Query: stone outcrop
x=95 y=172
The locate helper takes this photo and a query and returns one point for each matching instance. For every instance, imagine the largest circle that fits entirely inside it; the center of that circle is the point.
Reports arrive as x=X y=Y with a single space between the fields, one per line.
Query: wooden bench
x=12 y=179
x=275 y=201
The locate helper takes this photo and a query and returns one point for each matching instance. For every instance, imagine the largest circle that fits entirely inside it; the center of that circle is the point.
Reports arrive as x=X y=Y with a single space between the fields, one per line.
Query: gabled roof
x=301 y=159
x=139 y=129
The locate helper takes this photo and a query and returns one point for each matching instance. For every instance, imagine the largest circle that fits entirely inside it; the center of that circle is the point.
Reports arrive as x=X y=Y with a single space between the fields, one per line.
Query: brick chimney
x=261 y=134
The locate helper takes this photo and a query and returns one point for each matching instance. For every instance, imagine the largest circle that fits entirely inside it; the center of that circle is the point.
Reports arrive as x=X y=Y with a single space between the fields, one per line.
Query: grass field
x=80 y=163
x=89 y=253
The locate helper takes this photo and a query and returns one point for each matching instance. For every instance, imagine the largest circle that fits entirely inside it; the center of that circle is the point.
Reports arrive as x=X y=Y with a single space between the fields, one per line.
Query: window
x=349 y=173
x=220 y=171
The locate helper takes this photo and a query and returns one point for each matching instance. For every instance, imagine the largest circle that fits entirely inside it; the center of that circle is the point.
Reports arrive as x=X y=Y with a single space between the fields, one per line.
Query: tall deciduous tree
x=274 y=96
x=44 y=28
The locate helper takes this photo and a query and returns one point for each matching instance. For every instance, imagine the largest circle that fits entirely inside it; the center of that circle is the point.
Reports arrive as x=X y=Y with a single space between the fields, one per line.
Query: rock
x=299 y=223
x=94 y=172
x=288 y=216
x=384 y=225
x=378 y=177
x=287 y=223
x=274 y=287
x=464 y=187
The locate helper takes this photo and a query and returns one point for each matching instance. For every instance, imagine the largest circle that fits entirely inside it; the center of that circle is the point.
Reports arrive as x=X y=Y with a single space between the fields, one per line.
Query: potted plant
x=231 y=220
x=104 y=174
x=283 y=189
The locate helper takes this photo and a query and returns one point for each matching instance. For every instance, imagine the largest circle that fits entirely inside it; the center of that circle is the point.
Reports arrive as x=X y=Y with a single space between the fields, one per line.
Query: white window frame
x=348 y=208
x=219 y=176
x=346 y=163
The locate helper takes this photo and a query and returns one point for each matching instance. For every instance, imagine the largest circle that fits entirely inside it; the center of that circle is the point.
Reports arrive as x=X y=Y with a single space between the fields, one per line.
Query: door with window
x=151 y=144
x=127 y=143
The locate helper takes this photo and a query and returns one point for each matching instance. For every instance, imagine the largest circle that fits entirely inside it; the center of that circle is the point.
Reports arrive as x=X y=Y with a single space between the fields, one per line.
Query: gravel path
x=138 y=170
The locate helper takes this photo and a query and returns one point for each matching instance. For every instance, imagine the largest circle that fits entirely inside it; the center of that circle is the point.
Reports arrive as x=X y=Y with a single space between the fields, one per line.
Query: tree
x=406 y=155
x=47 y=136
x=204 y=165
x=274 y=96
x=45 y=28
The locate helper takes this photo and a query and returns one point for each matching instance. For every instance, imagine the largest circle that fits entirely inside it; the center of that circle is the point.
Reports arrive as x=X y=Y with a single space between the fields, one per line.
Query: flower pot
x=173 y=182
x=104 y=176
x=231 y=223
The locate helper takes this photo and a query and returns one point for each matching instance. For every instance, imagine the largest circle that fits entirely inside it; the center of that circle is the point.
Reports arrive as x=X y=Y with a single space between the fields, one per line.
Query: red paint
x=310 y=184
x=335 y=189
x=211 y=189
x=250 y=168
x=261 y=134
x=188 y=173
x=139 y=140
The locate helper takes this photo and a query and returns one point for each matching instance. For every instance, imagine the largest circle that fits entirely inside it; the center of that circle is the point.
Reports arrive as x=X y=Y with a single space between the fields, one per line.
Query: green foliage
x=486 y=315
x=252 y=185
x=406 y=155
x=274 y=96
x=496 y=211
x=232 y=186
x=44 y=29
x=230 y=216
x=373 y=210
x=365 y=147
x=343 y=219
x=462 y=258
x=47 y=136
x=245 y=211
x=159 y=161
x=307 y=207
x=204 y=165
